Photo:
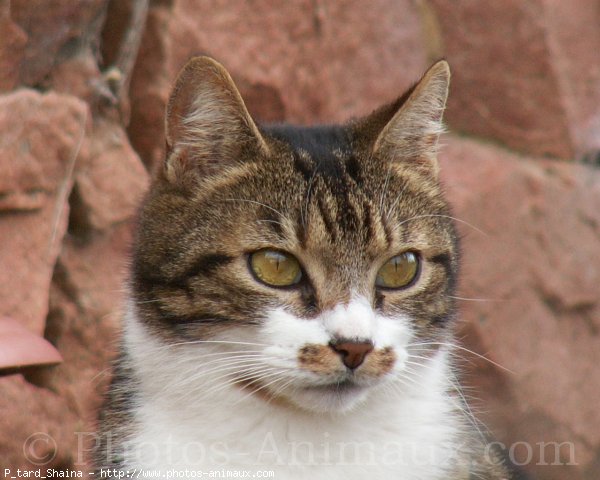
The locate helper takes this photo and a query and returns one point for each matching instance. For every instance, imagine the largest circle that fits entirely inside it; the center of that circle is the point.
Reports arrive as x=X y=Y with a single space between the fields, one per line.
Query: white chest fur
x=408 y=431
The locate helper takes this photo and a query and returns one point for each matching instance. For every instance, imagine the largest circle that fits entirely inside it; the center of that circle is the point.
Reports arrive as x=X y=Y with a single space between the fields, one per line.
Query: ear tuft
x=207 y=124
x=414 y=130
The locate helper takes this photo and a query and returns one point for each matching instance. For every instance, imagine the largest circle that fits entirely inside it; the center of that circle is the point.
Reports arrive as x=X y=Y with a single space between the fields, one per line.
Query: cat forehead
x=322 y=169
x=326 y=145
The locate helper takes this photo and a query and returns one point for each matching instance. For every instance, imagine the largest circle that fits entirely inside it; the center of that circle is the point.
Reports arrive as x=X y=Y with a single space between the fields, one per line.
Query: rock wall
x=81 y=120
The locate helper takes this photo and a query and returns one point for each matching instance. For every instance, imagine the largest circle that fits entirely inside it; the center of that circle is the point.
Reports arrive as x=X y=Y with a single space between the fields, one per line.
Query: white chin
x=327 y=399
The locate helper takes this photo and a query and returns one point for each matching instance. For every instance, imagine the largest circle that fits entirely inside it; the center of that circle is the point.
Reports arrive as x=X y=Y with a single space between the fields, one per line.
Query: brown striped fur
x=343 y=199
x=337 y=197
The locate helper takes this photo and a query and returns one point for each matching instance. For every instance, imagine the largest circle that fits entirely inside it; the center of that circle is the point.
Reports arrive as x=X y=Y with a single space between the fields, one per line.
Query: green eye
x=275 y=268
x=398 y=271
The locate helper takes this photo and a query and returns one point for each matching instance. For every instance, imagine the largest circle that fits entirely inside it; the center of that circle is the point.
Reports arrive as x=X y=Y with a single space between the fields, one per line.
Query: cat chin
x=328 y=398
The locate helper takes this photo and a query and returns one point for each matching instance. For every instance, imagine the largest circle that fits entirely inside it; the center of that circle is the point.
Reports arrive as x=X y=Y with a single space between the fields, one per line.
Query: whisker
x=280 y=389
x=100 y=374
x=254 y=368
x=453 y=345
x=461 y=405
x=392 y=209
x=253 y=376
x=248 y=374
x=253 y=392
x=199 y=355
x=226 y=366
x=257 y=203
x=222 y=342
x=265 y=220
x=466 y=407
x=185 y=382
x=466 y=299
x=235 y=360
x=478 y=230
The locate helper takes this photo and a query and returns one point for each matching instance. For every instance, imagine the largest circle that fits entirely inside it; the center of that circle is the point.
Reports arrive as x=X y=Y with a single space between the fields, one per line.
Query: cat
x=292 y=299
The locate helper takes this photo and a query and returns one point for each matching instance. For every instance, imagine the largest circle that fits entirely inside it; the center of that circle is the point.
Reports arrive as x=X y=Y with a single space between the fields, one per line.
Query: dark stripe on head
x=368 y=225
x=353 y=169
x=145 y=279
x=387 y=231
x=197 y=318
x=300 y=228
x=272 y=220
x=206 y=264
x=304 y=165
x=319 y=143
x=328 y=221
x=444 y=260
x=347 y=215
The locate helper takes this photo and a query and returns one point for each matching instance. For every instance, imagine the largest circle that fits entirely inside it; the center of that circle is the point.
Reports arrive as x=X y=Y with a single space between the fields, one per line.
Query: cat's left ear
x=412 y=132
x=208 y=127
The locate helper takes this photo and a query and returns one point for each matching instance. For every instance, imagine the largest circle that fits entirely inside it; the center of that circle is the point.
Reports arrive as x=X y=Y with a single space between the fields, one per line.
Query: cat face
x=309 y=266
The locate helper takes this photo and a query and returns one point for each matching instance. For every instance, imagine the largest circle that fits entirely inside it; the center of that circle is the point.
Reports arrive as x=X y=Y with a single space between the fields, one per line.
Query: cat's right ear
x=208 y=127
x=407 y=131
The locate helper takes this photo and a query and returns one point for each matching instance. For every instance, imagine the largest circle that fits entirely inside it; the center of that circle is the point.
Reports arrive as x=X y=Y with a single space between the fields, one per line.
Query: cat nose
x=353 y=353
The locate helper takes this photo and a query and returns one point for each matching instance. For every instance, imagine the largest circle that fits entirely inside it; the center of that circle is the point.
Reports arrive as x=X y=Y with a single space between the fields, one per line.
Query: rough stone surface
x=12 y=46
x=55 y=32
x=36 y=426
x=525 y=73
x=84 y=324
x=530 y=284
x=111 y=181
x=317 y=61
x=38 y=148
x=574 y=42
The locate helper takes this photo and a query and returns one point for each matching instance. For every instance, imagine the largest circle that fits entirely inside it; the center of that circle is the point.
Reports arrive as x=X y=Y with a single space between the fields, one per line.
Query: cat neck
x=241 y=428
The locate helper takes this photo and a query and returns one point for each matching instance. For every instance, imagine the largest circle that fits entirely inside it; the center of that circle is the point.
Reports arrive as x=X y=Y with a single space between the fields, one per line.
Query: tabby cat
x=291 y=305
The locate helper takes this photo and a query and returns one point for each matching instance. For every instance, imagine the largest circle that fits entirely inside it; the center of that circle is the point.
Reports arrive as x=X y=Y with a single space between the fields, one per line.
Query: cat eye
x=275 y=268
x=399 y=271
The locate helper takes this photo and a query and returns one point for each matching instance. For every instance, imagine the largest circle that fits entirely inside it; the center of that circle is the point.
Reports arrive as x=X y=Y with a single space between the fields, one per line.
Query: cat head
x=309 y=260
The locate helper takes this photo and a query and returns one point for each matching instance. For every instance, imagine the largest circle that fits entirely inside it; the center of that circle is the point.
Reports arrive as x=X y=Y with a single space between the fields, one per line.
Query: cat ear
x=413 y=131
x=207 y=124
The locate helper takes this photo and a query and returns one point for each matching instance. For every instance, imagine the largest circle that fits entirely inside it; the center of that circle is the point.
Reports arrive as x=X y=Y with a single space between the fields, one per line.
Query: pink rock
x=110 y=180
x=86 y=301
x=530 y=284
x=504 y=85
x=12 y=43
x=525 y=73
x=37 y=429
x=54 y=32
x=320 y=62
x=574 y=42
x=21 y=348
x=79 y=76
x=39 y=147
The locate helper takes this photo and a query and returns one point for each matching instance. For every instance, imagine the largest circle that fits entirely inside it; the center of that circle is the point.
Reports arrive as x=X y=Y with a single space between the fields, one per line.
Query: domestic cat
x=292 y=299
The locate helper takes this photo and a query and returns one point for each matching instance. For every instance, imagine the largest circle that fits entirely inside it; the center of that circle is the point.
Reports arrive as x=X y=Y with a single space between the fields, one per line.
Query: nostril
x=353 y=353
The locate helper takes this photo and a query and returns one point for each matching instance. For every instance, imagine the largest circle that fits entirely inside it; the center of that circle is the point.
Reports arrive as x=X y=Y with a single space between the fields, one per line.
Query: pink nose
x=352 y=353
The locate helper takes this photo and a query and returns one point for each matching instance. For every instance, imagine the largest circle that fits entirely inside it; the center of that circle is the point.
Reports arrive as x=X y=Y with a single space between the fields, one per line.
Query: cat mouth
x=343 y=387
x=338 y=396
